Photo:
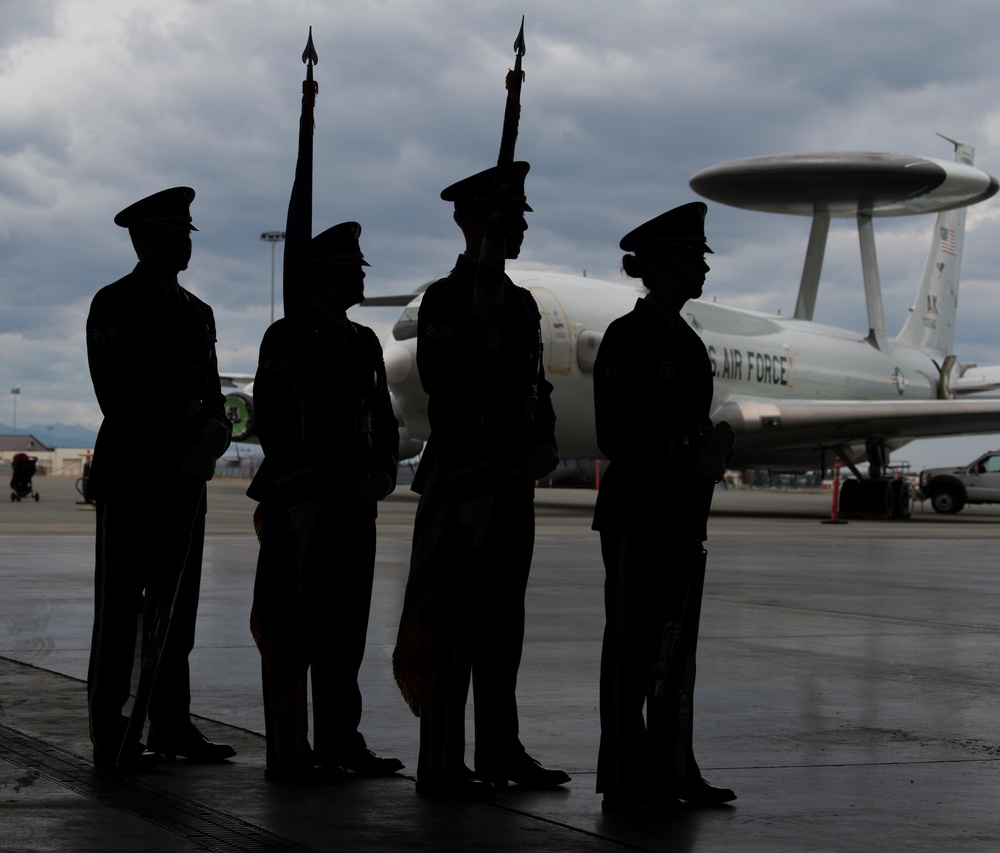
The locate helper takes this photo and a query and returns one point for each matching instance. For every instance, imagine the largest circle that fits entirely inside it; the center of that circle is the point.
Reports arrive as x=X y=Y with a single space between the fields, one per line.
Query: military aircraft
x=798 y=393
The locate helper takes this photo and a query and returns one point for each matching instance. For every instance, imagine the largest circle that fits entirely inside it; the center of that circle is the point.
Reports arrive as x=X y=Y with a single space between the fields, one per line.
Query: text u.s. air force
x=760 y=367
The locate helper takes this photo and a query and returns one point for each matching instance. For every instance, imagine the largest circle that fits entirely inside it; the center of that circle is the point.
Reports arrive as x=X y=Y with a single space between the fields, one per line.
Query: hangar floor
x=847 y=690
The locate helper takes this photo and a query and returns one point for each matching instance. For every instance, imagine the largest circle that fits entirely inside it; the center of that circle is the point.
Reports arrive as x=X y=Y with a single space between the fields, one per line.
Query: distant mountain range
x=55 y=435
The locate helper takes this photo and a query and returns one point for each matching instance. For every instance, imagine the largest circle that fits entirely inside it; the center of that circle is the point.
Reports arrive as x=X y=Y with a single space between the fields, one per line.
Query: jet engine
x=239 y=410
x=408 y=445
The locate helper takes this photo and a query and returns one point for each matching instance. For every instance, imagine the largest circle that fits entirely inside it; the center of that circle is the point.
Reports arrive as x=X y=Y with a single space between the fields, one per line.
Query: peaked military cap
x=479 y=187
x=683 y=226
x=167 y=207
x=339 y=245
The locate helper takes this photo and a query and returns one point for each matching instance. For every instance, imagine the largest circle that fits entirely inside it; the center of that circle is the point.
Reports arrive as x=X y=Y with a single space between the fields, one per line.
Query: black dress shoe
x=110 y=734
x=627 y=804
x=620 y=804
x=458 y=789
x=189 y=743
x=322 y=774
x=367 y=763
x=326 y=774
x=524 y=771
x=699 y=793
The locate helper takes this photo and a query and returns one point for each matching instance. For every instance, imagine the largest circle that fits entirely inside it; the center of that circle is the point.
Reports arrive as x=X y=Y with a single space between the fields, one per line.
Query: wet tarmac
x=847 y=690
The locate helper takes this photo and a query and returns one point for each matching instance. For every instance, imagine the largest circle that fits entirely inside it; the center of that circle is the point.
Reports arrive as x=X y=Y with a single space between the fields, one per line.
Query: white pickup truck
x=950 y=489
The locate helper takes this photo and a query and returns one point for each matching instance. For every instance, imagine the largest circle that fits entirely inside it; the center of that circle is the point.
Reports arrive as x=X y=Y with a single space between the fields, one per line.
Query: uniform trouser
x=646 y=580
x=140 y=551
x=491 y=601
x=338 y=572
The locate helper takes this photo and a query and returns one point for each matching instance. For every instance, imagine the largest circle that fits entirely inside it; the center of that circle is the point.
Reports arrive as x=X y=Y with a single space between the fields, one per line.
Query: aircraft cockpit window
x=406 y=326
x=586 y=349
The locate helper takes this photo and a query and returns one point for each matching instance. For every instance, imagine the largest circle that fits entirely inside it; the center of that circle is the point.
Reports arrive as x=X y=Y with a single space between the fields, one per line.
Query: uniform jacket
x=652 y=393
x=350 y=432
x=153 y=364
x=469 y=449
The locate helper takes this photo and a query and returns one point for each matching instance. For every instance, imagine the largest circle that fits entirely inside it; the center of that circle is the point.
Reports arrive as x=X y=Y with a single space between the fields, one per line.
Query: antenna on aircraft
x=964 y=153
x=954 y=142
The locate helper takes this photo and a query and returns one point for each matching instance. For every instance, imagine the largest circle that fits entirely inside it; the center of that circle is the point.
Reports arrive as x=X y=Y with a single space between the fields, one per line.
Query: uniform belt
x=363 y=423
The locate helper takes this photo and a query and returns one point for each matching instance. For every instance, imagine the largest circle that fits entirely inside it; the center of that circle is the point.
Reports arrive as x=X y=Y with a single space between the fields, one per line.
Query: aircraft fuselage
x=755 y=358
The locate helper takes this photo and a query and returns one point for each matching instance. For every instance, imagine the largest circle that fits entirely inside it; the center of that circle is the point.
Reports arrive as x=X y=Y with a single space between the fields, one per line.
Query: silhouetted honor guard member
x=327 y=464
x=163 y=444
x=474 y=531
x=652 y=394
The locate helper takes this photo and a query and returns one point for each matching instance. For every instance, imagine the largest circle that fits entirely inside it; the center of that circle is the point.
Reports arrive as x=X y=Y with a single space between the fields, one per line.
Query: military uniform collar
x=167 y=283
x=336 y=319
x=672 y=318
x=466 y=261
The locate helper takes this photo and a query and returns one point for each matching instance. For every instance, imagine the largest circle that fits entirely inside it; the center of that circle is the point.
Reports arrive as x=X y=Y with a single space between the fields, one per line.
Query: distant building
x=53 y=461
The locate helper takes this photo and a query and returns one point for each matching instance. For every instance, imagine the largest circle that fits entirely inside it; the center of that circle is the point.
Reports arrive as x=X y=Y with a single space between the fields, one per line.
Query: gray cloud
x=109 y=100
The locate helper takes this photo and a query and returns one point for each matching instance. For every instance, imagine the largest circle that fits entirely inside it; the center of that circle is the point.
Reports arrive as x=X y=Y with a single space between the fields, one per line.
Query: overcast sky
x=106 y=101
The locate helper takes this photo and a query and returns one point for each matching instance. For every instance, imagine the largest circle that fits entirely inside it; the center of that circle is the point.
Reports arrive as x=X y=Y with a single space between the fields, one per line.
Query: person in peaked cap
x=168 y=207
x=475 y=192
x=316 y=521
x=652 y=398
x=683 y=228
x=143 y=325
x=463 y=614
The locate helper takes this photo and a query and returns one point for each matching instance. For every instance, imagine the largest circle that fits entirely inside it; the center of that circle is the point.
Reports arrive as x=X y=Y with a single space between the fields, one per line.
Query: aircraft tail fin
x=930 y=325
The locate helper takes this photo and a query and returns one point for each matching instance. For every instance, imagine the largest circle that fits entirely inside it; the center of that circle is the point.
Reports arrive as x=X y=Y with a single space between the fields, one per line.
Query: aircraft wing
x=400 y=301
x=236 y=380
x=975 y=379
x=811 y=424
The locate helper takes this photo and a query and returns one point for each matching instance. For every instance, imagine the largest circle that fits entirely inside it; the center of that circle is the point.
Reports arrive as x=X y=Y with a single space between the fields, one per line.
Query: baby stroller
x=24 y=469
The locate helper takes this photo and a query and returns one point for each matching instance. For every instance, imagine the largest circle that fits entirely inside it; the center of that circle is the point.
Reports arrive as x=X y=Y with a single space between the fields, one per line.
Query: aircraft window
x=586 y=349
x=406 y=326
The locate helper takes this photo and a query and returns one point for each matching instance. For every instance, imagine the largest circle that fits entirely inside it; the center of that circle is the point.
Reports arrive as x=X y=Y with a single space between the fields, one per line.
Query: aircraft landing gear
x=867 y=498
x=875 y=496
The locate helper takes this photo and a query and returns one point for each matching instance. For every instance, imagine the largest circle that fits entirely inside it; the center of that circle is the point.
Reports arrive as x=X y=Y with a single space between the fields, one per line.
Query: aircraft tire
x=897 y=499
x=848 y=497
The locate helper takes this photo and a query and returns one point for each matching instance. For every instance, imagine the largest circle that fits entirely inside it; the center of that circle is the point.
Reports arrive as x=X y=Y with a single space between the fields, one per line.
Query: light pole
x=272 y=237
x=14 y=393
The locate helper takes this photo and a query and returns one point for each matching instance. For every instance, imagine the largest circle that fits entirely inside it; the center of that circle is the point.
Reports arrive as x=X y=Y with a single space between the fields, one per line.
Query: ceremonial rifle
x=297 y=298
x=296 y=286
x=487 y=316
x=487 y=298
